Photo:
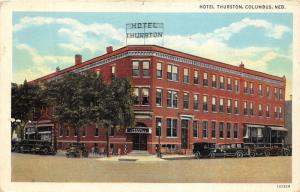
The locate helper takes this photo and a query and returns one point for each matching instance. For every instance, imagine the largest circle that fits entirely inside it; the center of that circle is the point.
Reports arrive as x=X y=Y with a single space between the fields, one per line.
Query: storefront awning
x=278 y=128
x=256 y=126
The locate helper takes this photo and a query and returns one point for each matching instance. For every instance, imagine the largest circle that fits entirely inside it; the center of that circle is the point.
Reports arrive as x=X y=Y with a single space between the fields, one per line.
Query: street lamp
x=14 y=124
x=159 y=128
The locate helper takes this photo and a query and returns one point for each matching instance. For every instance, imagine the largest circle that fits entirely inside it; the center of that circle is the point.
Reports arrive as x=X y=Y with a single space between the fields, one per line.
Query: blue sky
x=43 y=41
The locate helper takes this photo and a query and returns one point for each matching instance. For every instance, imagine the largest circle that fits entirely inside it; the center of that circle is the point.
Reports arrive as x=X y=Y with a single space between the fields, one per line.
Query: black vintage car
x=77 y=150
x=33 y=146
x=203 y=149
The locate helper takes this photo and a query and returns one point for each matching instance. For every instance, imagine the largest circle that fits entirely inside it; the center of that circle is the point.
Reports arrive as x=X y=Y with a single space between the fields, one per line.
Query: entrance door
x=140 y=141
x=184 y=133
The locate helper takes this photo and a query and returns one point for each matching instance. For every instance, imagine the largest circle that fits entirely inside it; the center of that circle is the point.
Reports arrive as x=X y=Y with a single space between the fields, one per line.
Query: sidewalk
x=145 y=158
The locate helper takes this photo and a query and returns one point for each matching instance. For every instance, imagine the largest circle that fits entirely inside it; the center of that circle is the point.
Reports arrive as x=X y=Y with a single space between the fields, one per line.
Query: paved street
x=26 y=167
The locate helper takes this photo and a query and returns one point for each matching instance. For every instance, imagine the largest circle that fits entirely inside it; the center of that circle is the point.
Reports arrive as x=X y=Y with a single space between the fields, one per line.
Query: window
x=221 y=130
x=205 y=104
x=172 y=73
x=159 y=95
x=236 y=84
x=171 y=127
x=259 y=110
x=158 y=126
x=84 y=131
x=196 y=102
x=195 y=128
x=268 y=91
x=268 y=111
x=280 y=112
x=205 y=129
x=245 y=87
x=205 y=79
x=214 y=81
x=68 y=132
x=275 y=112
x=251 y=88
x=260 y=91
x=222 y=85
x=213 y=129
x=196 y=77
x=221 y=106
x=113 y=72
x=280 y=94
x=136 y=96
x=251 y=109
x=229 y=86
x=246 y=108
x=214 y=104
x=186 y=100
x=146 y=68
x=75 y=132
x=112 y=131
x=61 y=130
x=236 y=107
x=228 y=130
x=159 y=71
x=145 y=95
x=135 y=69
x=235 y=132
x=275 y=93
x=96 y=131
x=229 y=106
x=172 y=99
x=186 y=75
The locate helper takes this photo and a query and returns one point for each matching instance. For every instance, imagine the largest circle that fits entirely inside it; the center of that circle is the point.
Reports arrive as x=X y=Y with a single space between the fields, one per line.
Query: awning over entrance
x=278 y=128
x=144 y=130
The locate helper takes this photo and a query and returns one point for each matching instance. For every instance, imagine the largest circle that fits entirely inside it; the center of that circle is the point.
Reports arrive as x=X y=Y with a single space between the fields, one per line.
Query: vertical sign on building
x=144 y=31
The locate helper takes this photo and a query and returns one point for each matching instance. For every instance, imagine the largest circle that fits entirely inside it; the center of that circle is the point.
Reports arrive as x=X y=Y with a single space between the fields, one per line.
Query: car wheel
x=46 y=151
x=267 y=153
x=212 y=155
x=286 y=152
x=252 y=154
x=239 y=154
x=197 y=155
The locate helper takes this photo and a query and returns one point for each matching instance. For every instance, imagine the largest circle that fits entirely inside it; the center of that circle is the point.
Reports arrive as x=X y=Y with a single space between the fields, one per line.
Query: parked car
x=77 y=150
x=202 y=149
x=34 y=146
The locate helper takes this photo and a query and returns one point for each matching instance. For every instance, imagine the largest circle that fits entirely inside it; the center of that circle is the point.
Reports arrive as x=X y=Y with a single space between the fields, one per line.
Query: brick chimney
x=242 y=65
x=109 y=49
x=78 y=59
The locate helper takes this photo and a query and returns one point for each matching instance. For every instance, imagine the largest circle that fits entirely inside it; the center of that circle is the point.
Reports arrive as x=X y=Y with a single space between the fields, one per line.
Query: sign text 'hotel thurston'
x=144 y=30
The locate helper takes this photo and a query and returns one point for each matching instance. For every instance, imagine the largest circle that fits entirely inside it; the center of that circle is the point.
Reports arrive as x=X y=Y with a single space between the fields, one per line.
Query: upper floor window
x=221 y=106
x=280 y=94
x=195 y=128
x=136 y=96
x=84 y=131
x=68 y=132
x=135 y=69
x=146 y=68
x=251 y=88
x=251 y=108
x=268 y=91
x=229 y=86
x=145 y=95
x=268 y=111
x=236 y=107
x=228 y=126
x=205 y=129
x=213 y=104
x=113 y=72
x=214 y=81
x=61 y=130
x=222 y=84
x=159 y=95
x=172 y=73
x=205 y=79
x=260 y=110
x=245 y=87
x=196 y=102
x=96 y=131
x=159 y=72
x=260 y=91
x=186 y=100
x=275 y=112
x=237 y=86
x=245 y=108
x=229 y=106
x=196 y=77
x=75 y=132
x=235 y=132
x=221 y=129
x=186 y=75
x=213 y=129
x=172 y=99
x=205 y=104
x=280 y=112
x=275 y=93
